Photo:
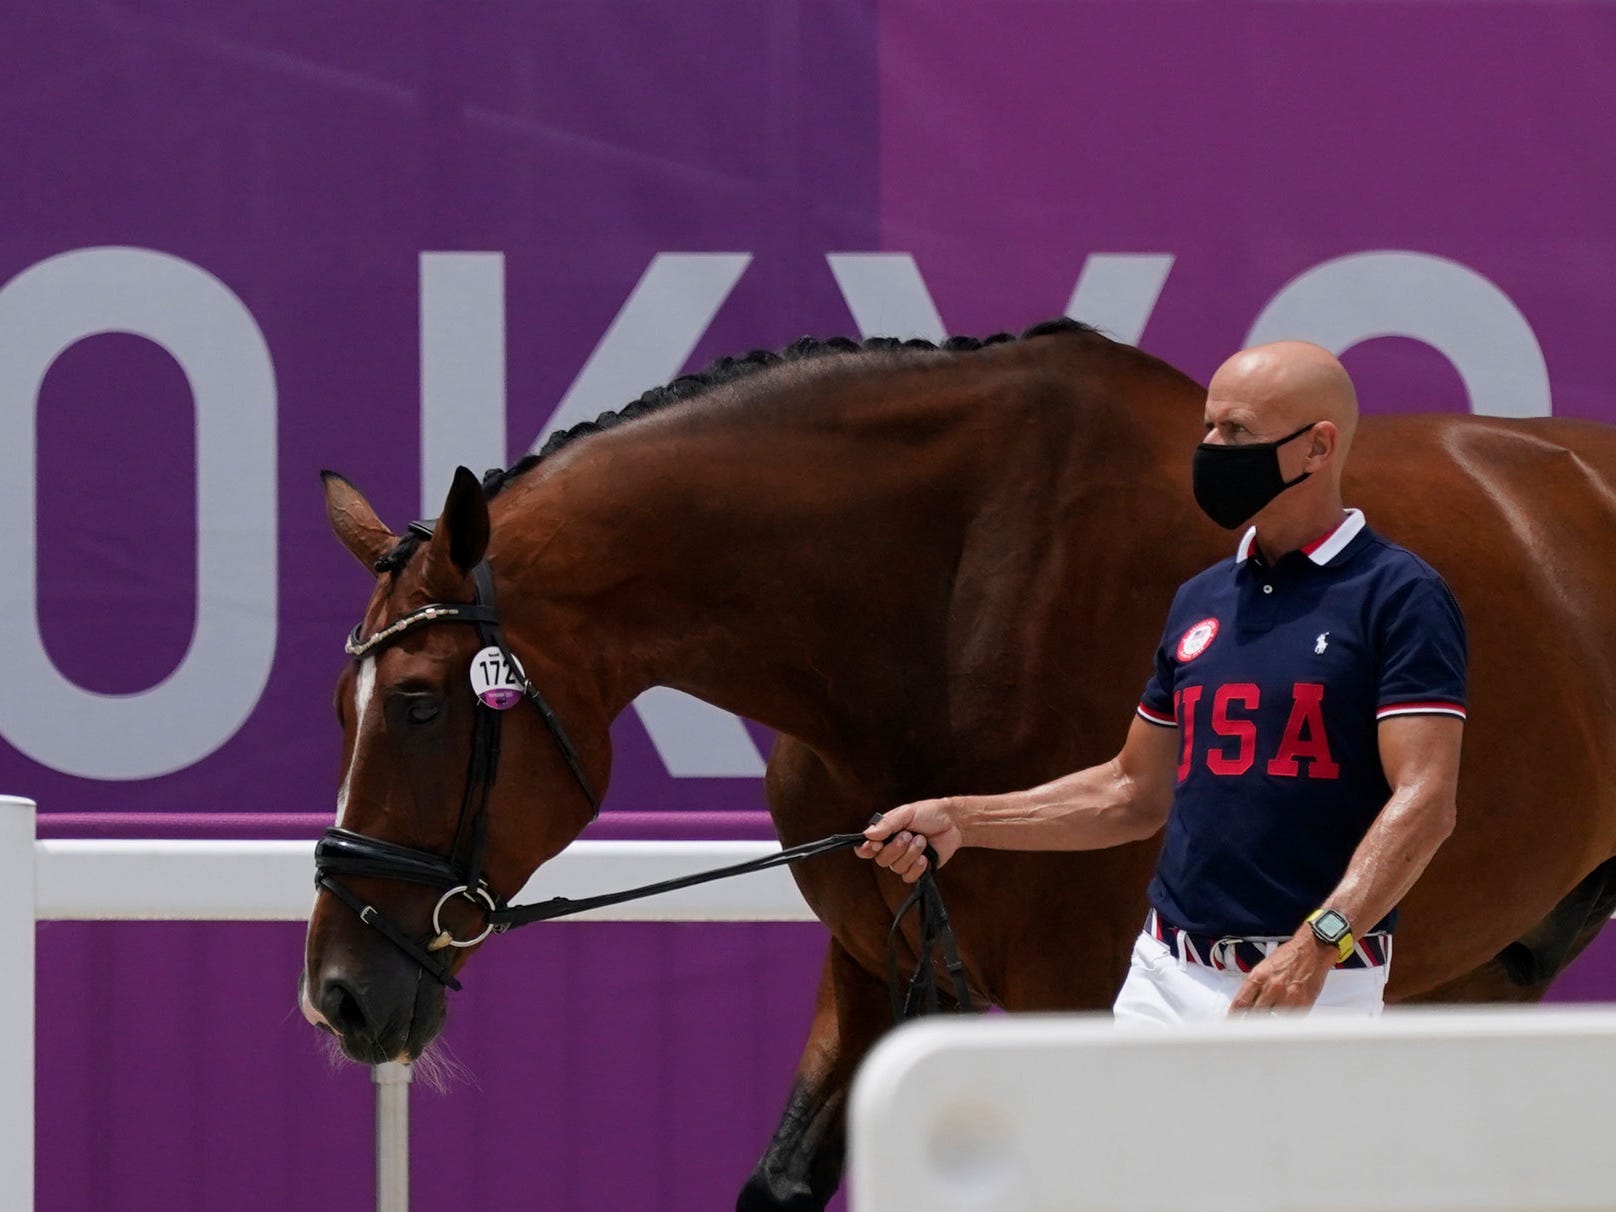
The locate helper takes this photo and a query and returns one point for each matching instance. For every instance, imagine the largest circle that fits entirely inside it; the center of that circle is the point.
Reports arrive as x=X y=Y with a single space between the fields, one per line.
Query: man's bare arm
x=1122 y=800
x=1420 y=754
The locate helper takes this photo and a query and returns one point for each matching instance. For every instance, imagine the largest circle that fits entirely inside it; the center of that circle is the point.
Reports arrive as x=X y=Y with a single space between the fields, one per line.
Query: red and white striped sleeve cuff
x=1428 y=707
x=1151 y=716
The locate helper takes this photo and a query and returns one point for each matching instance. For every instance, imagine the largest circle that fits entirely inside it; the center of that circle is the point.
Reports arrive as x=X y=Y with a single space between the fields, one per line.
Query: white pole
x=392 y=1136
x=17 y=998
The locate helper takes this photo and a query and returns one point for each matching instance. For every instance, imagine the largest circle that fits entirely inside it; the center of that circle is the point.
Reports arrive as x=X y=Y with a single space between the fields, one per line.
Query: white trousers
x=1163 y=990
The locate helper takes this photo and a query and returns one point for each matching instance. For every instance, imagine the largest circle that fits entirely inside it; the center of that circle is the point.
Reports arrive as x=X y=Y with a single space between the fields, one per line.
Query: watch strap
x=1345 y=945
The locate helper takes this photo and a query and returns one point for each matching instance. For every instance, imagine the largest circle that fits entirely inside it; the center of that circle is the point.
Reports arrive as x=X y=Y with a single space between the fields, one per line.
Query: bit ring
x=472 y=895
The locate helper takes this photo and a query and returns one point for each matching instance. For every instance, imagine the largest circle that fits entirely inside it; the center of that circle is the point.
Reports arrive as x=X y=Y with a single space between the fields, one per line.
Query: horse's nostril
x=343 y=1010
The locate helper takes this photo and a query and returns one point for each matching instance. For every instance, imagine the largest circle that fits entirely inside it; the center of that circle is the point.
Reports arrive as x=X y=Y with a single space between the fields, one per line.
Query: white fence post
x=392 y=1136
x=17 y=999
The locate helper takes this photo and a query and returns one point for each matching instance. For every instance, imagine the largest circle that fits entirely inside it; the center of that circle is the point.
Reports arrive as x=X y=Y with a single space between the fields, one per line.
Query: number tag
x=496 y=681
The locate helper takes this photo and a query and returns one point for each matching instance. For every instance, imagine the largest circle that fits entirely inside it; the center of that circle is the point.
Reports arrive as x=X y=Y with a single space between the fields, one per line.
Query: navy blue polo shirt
x=1276 y=678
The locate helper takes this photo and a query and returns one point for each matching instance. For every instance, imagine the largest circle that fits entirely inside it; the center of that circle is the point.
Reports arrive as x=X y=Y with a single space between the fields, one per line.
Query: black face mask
x=1232 y=483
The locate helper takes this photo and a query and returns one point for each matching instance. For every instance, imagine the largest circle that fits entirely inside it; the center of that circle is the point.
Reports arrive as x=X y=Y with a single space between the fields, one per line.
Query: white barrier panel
x=169 y=880
x=173 y=880
x=1423 y=1111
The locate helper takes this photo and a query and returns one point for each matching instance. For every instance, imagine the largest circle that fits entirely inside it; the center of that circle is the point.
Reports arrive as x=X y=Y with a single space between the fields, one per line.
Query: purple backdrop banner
x=245 y=241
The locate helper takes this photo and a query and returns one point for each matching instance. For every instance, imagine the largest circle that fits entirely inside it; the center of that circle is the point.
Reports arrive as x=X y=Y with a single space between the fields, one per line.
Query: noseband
x=346 y=852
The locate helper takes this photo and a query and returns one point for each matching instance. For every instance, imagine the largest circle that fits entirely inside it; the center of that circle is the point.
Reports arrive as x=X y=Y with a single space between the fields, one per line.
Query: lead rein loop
x=936 y=930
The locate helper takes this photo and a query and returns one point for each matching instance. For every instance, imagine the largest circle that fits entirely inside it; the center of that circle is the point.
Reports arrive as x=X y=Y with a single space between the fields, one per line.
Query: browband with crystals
x=357 y=648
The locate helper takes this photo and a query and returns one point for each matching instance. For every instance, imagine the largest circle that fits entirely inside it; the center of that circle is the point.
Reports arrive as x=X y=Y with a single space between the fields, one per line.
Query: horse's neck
x=801 y=571
x=757 y=578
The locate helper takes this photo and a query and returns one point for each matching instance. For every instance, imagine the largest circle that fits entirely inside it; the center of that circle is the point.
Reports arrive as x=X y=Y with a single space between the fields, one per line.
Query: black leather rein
x=346 y=852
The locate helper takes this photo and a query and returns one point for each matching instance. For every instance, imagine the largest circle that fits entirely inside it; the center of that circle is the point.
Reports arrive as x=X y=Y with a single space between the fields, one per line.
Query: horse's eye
x=423 y=709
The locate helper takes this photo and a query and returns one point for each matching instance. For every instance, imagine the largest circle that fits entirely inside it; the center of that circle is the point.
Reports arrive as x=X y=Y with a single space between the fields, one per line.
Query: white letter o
x=210 y=333
x=1448 y=306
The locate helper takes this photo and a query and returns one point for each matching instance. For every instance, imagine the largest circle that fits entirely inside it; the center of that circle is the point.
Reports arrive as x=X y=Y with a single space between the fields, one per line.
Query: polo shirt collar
x=1322 y=549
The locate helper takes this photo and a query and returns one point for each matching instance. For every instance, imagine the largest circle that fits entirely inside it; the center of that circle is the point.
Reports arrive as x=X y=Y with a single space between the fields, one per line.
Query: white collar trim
x=1322 y=551
x=1247 y=541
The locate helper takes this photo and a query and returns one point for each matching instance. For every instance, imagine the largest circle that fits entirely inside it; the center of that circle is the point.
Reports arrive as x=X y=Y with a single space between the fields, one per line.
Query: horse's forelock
x=400 y=553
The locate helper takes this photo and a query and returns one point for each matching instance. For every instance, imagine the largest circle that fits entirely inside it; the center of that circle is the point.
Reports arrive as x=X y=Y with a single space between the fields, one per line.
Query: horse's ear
x=355 y=522
x=461 y=538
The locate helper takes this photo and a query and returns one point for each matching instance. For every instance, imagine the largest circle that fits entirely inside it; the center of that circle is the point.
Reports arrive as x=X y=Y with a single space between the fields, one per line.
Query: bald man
x=1299 y=738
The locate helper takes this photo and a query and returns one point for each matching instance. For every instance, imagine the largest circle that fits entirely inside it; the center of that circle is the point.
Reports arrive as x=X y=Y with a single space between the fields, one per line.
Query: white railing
x=168 y=880
x=1422 y=1111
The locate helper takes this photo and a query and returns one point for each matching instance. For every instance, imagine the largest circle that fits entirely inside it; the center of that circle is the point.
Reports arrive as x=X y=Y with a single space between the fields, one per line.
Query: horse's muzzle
x=388 y=1016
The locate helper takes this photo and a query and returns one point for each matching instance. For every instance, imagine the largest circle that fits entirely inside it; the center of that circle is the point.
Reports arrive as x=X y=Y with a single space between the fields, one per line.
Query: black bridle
x=347 y=852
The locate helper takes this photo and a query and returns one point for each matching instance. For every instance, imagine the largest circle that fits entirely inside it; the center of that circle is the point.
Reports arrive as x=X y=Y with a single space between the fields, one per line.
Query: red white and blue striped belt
x=1243 y=954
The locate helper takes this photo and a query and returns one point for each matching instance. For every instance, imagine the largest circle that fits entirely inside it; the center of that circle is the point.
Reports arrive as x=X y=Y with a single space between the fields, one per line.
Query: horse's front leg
x=802 y=1167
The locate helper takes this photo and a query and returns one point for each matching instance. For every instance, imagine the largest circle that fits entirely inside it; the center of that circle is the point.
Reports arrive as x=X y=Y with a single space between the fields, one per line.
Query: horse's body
x=941 y=572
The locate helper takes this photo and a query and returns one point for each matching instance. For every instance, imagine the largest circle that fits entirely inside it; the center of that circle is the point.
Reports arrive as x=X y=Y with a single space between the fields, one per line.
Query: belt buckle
x=1221 y=956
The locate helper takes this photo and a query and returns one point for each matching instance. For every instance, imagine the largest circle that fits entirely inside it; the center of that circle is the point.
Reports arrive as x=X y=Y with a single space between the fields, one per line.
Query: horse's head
x=431 y=827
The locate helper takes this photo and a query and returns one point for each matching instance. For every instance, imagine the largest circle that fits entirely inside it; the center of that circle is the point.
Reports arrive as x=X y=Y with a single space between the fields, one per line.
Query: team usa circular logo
x=1197 y=639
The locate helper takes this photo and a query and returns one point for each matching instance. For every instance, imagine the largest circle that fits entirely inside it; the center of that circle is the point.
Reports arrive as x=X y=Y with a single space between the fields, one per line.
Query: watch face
x=1330 y=925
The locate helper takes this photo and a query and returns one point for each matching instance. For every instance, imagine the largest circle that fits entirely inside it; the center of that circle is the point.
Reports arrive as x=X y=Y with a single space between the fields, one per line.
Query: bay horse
x=938 y=570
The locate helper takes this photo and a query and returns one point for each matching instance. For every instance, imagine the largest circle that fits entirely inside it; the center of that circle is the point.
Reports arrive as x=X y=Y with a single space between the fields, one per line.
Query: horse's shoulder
x=1497 y=450
x=1489 y=502
x=1520 y=437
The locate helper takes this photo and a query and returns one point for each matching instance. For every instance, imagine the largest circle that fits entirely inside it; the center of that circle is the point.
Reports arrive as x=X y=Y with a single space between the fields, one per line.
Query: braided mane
x=728 y=370
x=725 y=370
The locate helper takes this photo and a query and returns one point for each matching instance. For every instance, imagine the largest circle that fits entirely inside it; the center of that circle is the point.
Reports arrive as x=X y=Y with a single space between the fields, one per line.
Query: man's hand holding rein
x=898 y=838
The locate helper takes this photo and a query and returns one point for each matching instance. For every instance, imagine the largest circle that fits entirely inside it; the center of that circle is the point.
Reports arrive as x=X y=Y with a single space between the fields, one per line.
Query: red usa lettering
x=1303 y=749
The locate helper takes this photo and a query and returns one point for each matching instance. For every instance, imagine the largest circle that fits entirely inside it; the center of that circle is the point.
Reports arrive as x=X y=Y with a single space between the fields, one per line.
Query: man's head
x=1291 y=410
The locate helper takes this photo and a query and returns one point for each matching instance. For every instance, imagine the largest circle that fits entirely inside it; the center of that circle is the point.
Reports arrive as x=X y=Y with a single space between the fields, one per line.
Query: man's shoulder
x=1403 y=584
x=1214 y=577
x=1397 y=564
